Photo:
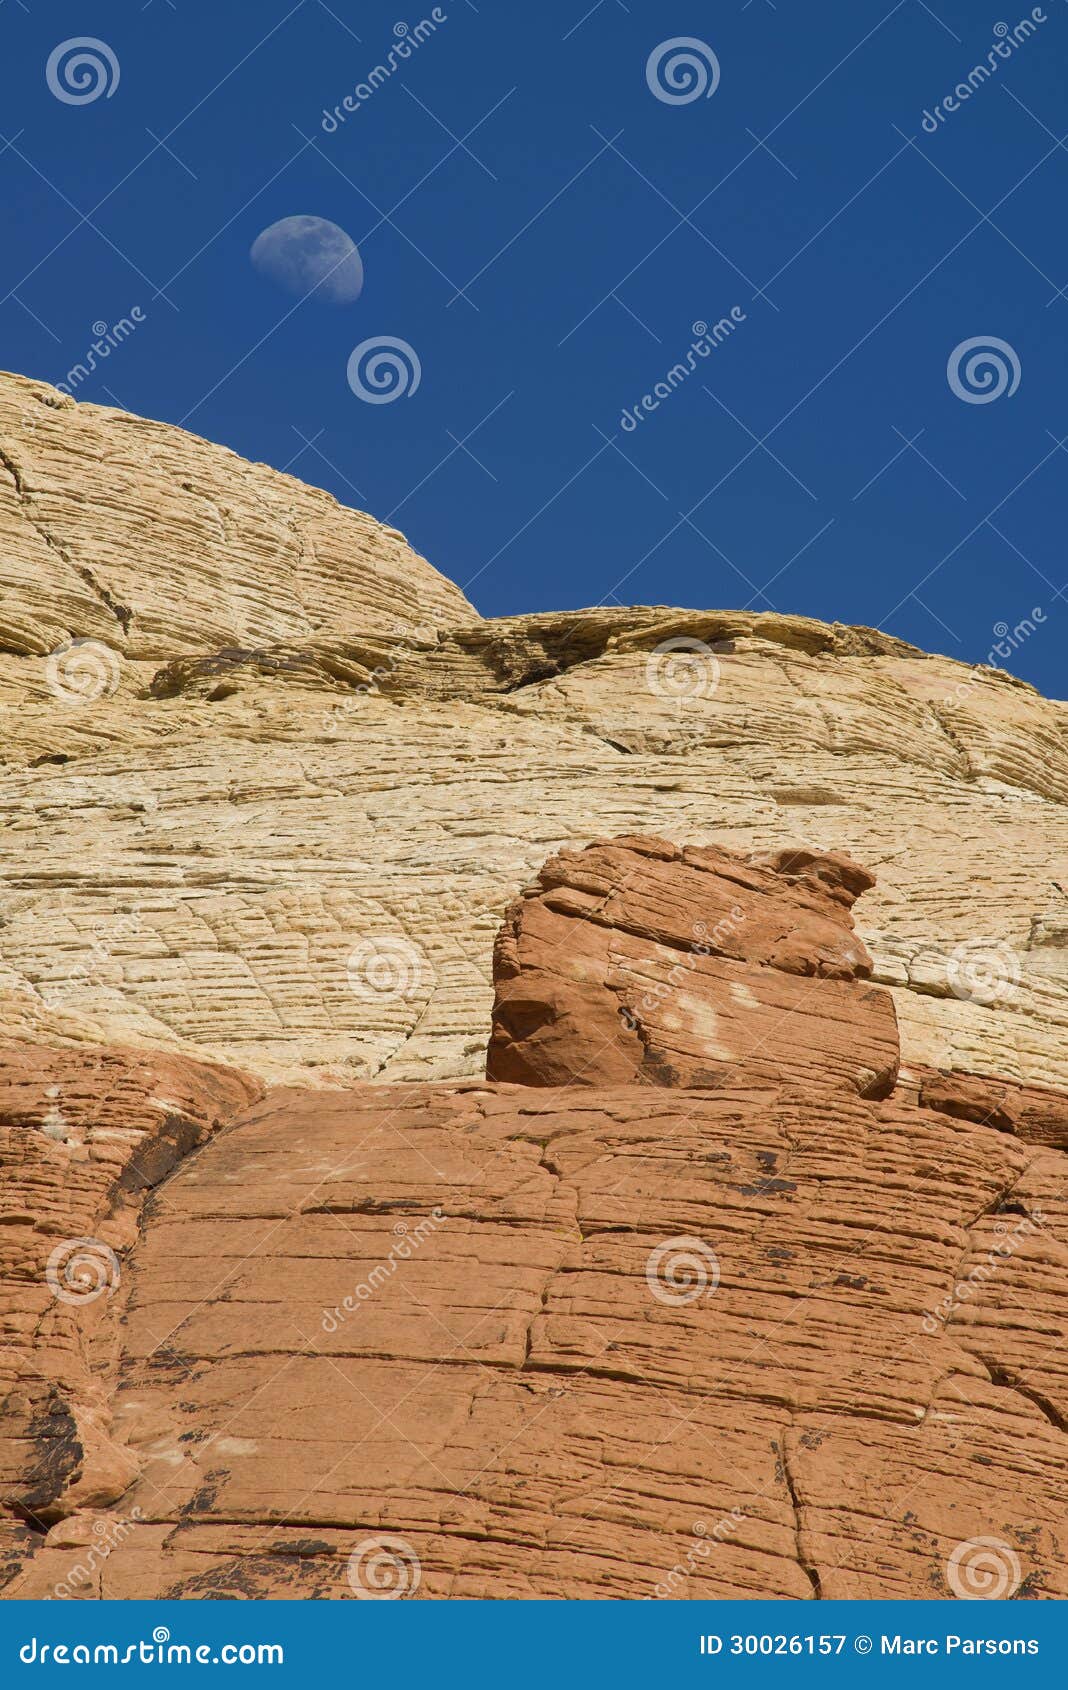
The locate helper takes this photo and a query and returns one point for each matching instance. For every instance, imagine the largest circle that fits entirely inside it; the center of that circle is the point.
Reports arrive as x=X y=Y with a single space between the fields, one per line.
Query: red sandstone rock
x=777 y=1334
x=1031 y=1112
x=83 y=1136
x=554 y=1345
x=635 y=962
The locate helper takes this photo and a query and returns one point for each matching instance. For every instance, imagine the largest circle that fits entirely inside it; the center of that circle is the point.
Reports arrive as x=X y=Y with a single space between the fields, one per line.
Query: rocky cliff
x=743 y=1272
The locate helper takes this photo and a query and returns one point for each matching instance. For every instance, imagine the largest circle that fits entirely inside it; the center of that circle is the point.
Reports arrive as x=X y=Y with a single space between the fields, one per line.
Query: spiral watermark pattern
x=80 y=1270
x=384 y=368
x=980 y=370
x=682 y=670
x=983 y=971
x=681 y=1270
x=984 y=1569
x=82 y=70
x=382 y=1569
x=82 y=671
x=682 y=70
x=387 y=968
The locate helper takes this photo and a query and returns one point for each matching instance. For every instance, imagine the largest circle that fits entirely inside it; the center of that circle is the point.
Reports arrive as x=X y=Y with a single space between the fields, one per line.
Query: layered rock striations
x=159 y=544
x=84 y=1135
x=693 y=965
x=616 y=1330
x=742 y=1272
x=289 y=750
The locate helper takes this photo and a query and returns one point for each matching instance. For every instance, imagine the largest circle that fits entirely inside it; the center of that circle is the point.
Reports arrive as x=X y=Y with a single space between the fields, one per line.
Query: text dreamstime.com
x=1008 y=641
x=706 y=339
x=408 y=1239
x=1006 y=43
x=409 y=641
x=155 y=1651
x=108 y=1535
x=703 y=944
x=1006 y=1243
x=673 y=1580
x=108 y=338
x=407 y=40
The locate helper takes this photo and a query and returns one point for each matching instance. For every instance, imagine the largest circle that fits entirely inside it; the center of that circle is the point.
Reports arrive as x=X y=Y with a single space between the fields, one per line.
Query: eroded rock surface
x=754 y=1285
x=639 y=961
x=155 y=542
x=83 y=1136
x=208 y=810
x=587 y=1340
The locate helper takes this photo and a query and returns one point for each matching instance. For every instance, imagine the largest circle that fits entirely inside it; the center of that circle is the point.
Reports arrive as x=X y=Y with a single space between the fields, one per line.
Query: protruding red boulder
x=640 y=962
x=717 y=1317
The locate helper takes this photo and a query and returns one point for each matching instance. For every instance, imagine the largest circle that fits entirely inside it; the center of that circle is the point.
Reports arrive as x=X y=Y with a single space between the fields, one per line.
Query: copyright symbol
x=863 y=1645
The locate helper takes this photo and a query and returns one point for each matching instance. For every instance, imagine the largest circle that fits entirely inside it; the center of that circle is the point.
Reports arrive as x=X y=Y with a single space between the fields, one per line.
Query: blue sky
x=543 y=230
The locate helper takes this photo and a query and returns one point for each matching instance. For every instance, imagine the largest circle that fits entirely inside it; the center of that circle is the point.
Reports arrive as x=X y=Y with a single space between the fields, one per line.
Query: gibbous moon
x=310 y=256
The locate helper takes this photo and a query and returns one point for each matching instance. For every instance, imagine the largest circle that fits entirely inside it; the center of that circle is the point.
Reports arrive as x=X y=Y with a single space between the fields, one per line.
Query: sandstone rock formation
x=742 y=1274
x=768 y=1331
x=159 y=544
x=213 y=802
x=83 y=1136
x=637 y=961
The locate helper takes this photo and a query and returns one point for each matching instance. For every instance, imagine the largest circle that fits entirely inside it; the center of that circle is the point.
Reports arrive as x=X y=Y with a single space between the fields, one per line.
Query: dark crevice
x=810 y=1571
x=1001 y=1377
x=121 y=612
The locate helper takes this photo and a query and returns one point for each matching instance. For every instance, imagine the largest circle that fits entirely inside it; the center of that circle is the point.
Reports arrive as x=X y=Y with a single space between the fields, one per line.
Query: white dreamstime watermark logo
x=384 y=368
x=1007 y=640
x=108 y=1535
x=410 y=642
x=159 y=1651
x=682 y=670
x=984 y=1569
x=108 y=337
x=82 y=671
x=699 y=1551
x=80 y=1270
x=1005 y=45
x=983 y=971
x=384 y=1568
x=408 y=1240
x=82 y=69
x=704 y=943
x=682 y=70
x=387 y=968
x=405 y=44
x=680 y=1270
x=981 y=369
x=1007 y=1243
x=705 y=341
x=97 y=957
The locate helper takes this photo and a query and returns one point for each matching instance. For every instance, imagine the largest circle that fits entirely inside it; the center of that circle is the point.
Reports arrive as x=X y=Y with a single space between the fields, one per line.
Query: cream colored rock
x=156 y=542
x=286 y=838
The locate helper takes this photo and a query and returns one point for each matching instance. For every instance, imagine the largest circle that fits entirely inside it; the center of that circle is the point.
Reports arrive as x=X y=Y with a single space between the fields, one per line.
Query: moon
x=310 y=256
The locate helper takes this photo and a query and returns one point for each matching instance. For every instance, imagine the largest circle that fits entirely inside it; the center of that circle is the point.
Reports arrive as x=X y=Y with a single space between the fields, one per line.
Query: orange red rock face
x=636 y=962
x=713 y=1302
